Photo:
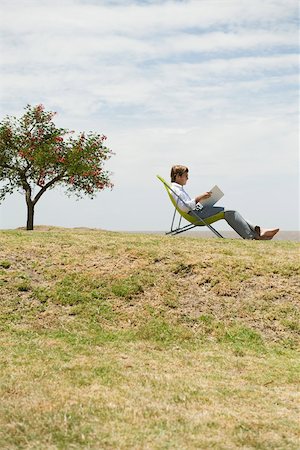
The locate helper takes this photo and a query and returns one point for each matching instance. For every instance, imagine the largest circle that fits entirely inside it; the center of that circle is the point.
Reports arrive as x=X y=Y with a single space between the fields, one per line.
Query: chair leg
x=207 y=224
x=178 y=230
x=181 y=230
x=214 y=231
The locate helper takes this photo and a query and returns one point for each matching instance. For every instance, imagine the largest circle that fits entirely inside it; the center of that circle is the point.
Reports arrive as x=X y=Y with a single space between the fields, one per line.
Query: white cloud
x=136 y=19
x=94 y=47
x=212 y=84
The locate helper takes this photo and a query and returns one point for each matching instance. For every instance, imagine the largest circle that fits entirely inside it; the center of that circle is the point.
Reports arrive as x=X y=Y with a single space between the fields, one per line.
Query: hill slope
x=117 y=340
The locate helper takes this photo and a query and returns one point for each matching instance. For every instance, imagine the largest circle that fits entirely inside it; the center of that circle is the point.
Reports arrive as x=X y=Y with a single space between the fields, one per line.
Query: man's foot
x=268 y=234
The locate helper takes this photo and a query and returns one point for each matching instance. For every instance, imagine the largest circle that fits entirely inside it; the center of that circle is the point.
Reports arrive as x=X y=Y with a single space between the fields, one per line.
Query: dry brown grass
x=121 y=341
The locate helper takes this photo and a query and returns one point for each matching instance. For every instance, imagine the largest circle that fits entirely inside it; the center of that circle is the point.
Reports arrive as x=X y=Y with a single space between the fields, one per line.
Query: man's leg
x=240 y=225
x=244 y=228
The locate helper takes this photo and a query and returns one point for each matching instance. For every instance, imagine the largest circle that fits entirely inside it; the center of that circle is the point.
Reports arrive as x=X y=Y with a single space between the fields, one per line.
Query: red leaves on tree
x=45 y=154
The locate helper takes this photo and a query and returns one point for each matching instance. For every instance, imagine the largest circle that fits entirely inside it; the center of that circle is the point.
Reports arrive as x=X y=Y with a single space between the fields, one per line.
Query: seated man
x=179 y=177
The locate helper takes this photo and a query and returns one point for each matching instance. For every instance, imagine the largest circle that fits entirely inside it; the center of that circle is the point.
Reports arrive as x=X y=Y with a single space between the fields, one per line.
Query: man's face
x=182 y=179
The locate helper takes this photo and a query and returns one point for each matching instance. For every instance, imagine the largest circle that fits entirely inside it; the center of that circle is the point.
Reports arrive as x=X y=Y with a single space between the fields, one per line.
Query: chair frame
x=175 y=231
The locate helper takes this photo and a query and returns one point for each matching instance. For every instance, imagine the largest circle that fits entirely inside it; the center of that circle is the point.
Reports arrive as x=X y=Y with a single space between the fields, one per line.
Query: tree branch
x=44 y=188
x=26 y=187
x=7 y=166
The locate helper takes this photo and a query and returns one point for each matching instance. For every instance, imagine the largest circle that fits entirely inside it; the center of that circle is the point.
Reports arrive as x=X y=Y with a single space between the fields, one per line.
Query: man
x=179 y=178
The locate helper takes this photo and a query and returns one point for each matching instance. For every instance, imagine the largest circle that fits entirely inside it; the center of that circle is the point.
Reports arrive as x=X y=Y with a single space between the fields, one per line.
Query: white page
x=215 y=197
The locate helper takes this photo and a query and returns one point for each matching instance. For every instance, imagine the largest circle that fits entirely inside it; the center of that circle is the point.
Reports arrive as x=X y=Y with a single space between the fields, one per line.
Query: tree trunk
x=30 y=214
x=31 y=203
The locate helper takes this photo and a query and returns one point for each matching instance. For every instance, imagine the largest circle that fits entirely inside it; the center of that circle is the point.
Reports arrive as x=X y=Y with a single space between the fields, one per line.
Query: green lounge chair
x=191 y=217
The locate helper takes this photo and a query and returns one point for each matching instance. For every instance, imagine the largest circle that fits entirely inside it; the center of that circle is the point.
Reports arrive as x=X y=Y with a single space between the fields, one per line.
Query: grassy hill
x=122 y=341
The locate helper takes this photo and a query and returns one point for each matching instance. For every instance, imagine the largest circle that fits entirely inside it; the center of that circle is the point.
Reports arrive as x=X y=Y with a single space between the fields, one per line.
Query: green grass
x=121 y=341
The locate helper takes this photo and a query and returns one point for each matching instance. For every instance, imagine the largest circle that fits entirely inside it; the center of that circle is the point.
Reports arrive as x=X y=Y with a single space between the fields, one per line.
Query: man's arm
x=203 y=196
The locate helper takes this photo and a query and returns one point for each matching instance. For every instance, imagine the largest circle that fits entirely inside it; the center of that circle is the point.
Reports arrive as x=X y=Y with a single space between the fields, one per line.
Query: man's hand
x=203 y=196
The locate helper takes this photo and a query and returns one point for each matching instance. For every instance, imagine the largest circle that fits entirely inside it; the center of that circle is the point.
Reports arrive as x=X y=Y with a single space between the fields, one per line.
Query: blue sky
x=212 y=84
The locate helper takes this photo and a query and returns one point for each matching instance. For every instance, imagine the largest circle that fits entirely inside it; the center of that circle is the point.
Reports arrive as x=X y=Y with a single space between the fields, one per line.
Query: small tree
x=35 y=156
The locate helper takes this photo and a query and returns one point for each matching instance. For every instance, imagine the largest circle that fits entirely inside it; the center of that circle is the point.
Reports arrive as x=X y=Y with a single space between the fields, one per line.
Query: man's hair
x=178 y=170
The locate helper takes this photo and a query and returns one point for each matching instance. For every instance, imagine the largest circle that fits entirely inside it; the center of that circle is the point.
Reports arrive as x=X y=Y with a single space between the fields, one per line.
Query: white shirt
x=188 y=202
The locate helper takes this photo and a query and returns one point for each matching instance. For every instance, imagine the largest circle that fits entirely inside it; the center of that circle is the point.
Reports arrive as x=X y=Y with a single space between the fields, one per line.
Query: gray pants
x=245 y=229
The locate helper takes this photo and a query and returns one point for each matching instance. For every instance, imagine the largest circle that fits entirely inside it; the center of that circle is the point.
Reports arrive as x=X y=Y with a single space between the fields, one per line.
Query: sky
x=210 y=84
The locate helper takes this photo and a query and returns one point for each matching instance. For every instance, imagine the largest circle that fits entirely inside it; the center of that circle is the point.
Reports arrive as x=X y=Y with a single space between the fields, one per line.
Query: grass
x=122 y=341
